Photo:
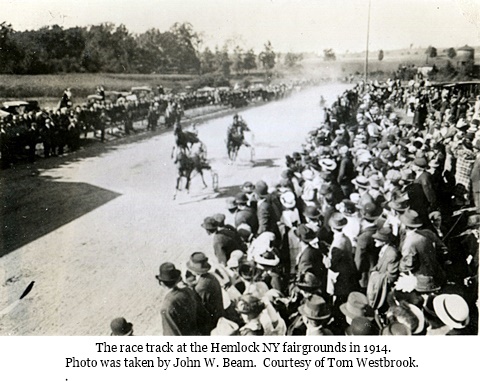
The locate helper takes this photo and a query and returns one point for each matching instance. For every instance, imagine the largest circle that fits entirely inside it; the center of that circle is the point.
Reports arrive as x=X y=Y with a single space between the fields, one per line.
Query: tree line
x=108 y=48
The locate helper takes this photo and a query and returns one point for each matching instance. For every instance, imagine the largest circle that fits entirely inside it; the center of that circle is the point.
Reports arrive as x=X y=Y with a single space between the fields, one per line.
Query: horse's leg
x=187 y=186
x=203 y=180
x=177 y=186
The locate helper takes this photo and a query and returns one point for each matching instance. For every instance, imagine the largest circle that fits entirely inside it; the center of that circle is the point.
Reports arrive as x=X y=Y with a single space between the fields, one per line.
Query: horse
x=235 y=139
x=188 y=163
x=184 y=140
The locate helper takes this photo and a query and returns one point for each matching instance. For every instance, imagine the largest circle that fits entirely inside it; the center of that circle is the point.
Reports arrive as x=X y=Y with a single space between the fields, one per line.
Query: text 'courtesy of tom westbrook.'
x=168 y=356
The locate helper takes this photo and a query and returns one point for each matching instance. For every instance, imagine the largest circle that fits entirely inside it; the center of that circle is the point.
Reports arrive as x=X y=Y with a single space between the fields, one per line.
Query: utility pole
x=368 y=36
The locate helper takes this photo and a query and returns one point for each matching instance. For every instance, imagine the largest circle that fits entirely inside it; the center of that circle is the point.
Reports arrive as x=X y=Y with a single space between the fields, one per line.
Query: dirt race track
x=92 y=233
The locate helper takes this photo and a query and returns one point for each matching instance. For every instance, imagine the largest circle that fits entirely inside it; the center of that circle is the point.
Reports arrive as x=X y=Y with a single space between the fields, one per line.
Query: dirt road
x=112 y=221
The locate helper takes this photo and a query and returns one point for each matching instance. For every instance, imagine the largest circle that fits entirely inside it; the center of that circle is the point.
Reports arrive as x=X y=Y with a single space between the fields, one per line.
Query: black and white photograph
x=239 y=168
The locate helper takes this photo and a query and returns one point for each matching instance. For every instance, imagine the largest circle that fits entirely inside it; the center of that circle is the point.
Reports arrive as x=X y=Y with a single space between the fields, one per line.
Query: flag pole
x=368 y=37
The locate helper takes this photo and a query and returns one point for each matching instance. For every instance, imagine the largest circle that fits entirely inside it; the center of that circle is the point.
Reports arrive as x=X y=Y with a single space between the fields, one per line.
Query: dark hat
x=348 y=207
x=241 y=199
x=356 y=306
x=396 y=329
x=246 y=269
x=411 y=219
x=209 y=223
x=261 y=189
x=198 y=263
x=305 y=233
x=168 y=272
x=249 y=304
x=120 y=327
x=421 y=162
x=426 y=284
x=337 y=220
x=315 y=308
x=361 y=326
x=467 y=143
x=267 y=259
x=312 y=212
x=248 y=186
x=371 y=211
x=308 y=281
x=383 y=234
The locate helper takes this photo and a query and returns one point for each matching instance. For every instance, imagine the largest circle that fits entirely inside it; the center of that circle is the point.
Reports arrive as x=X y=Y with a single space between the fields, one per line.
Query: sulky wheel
x=215 y=181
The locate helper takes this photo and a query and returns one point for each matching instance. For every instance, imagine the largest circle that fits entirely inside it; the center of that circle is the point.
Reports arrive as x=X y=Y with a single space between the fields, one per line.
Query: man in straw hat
x=182 y=311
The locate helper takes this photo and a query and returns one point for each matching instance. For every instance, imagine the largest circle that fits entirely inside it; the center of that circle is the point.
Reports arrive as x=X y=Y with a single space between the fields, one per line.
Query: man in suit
x=182 y=311
x=310 y=257
x=366 y=254
x=424 y=179
x=267 y=221
x=207 y=287
x=224 y=240
x=342 y=274
x=418 y=250
x=245 y=214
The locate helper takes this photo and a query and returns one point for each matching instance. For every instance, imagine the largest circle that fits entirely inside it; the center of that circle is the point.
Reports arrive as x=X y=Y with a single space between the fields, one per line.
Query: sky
x=290 y=25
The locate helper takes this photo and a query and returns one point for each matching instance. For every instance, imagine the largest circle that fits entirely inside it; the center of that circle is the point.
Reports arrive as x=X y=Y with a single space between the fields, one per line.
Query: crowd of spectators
x=60 y=129
x=371 y=229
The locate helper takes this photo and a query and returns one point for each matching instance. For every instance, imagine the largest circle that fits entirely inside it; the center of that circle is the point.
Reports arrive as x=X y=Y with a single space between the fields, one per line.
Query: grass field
x=45 y=86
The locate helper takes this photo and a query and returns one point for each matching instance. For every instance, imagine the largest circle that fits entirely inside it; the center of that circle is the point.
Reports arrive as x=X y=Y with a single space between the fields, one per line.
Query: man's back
x=179 y=313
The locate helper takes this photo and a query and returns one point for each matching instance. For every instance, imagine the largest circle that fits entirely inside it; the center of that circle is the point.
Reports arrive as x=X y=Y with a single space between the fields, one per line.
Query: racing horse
x=189 y=163
x=235 y=139
x=184 y=140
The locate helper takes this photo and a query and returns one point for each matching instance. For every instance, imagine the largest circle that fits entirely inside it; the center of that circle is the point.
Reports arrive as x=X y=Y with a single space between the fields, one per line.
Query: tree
x=207 y=61
x=237 y=62
x=222 y=61
x=250 y=60
x=10 y=53
x=431 y=52
x=451 y=53
x=380 y=55
x=329 y=55
x=291 y=59
x=267 y=57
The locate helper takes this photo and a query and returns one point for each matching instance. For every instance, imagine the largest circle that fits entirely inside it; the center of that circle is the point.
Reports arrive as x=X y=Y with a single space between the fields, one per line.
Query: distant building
x=465 y=55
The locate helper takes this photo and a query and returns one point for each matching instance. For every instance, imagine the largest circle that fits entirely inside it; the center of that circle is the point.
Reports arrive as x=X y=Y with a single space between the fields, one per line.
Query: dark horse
x=235 y=139
x=187 y=164
x=184 y=140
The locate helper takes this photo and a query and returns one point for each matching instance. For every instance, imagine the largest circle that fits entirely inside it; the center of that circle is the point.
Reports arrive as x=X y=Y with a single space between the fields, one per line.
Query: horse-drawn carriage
x=190 y=157
x=236 y=138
